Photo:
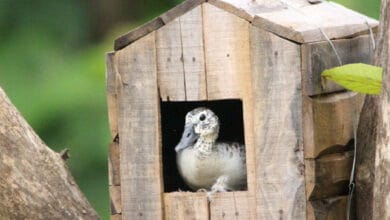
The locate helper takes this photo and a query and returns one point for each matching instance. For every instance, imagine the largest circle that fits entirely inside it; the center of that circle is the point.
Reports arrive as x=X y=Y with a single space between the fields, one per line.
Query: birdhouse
x=257 y=65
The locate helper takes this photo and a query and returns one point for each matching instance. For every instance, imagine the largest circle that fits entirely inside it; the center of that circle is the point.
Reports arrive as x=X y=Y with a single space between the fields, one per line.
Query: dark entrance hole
x=173 y=115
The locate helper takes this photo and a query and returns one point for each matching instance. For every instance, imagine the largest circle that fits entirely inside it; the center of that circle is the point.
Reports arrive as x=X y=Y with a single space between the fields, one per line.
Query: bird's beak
x=188 y=138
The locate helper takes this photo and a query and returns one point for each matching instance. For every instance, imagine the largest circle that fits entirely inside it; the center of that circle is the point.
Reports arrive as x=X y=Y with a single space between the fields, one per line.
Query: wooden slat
x=185 y=205
x=328 y=122
x=170 y=67
x=327 y=209
x=138 y=33
x=302 y=24
x=191 y=26
x=139 y=118
x=115 y=200
x=116 y=217
x=226 y=52
x=114 y=175
x=316 y=57
x=232 y=205
x=328 y=176
x=156 y=23
x=111 y=94
x=277 y=124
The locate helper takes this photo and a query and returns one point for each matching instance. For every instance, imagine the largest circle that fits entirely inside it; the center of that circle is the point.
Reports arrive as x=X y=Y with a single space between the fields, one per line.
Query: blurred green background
x=52 y=66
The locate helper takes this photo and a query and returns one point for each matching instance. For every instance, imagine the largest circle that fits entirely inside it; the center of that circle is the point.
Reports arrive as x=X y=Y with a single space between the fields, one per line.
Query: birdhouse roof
x=296 y=20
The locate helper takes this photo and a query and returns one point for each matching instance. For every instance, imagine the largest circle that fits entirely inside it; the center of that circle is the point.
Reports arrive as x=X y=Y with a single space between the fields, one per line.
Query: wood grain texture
x=381 y=195
x=328 y=122
x=170 y=67
x=280 y=191
x=35 y=182
x=233 y=205
x=191 y=26
x=180 y=58
x=328 y=176
x=318 y=56
x=115 y=200
x=227 y=56
x=302 y=24
x=139 y=131
x=185 y=205
x=327 y=209
x=156 y=23
x=114 y=175
x=112 y=102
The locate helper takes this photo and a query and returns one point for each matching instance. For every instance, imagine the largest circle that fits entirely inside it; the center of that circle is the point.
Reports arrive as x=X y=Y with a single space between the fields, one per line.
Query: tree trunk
x=35 y=182
x=373 y=171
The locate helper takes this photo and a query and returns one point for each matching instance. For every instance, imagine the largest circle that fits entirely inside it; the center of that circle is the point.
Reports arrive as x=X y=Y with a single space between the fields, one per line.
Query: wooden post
x=373 y=178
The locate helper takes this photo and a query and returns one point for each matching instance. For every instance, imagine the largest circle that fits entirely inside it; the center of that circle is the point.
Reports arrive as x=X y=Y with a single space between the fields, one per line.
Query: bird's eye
x=202 y=117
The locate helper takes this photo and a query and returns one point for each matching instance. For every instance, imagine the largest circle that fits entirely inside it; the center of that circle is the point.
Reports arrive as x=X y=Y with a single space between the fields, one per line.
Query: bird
x=205 y=163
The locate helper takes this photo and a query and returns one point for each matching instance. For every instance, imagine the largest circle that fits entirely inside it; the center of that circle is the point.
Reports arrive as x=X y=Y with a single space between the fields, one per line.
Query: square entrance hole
x=173 y=114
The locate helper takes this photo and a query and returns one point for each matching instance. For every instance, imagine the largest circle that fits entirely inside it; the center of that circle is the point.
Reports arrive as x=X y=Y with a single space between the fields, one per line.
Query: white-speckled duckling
x=202 y=161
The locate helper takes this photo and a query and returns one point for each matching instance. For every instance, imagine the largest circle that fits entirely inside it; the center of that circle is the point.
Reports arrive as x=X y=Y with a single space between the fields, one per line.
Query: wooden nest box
x=257 y=63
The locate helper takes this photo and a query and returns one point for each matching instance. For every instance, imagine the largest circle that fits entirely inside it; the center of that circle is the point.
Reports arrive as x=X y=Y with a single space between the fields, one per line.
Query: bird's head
x=200 y=123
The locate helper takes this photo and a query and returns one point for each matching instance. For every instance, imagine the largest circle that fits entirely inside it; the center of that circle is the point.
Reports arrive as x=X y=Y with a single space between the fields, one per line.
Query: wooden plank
x=277 y=122
x=115 y=200
x=111 y=94
x=328 y=122
x=156 y=23
x=170 y=67
x=185 y=205
x=226 y=52
x=180 y=9
x=139 y=131
x=328 y=176
x=191 y=26
x=114 y=175
x=247 y=9
x=316 y=57
x=116 y=217
x=327 y=209
x=232 y=205
x=138 y=33
x=303 y=24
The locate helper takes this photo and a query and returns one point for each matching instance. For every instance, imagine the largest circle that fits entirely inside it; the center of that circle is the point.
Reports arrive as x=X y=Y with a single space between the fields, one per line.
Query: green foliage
x=358 y=77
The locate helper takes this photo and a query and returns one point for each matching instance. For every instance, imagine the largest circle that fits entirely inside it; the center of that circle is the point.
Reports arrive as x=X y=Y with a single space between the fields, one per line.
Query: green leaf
x=358 y=77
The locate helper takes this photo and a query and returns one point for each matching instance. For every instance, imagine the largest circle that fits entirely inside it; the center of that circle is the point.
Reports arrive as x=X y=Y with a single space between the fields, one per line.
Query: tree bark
x=373 y=164
x=35 y=182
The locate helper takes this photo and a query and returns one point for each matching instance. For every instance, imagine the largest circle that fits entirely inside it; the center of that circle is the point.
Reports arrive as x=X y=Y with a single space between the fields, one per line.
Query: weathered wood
x=191 y=26
x=180 y=58
x=318 y=56
x=277 y=122
x=180 y=9
x=139 y=131
x=328 y=122
x=381 y=194
x=302 y=24
x=185 y=205
x=114 y=175
x=111 y=94
x=226 y=39
x=138 y=33
x=115 y=200
x=170 y=67
x=328 y=176
x=35 y=182
x=327 y=209
x=116 y=217
x=233 y=205
x=156 y=23
x=365 y=158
